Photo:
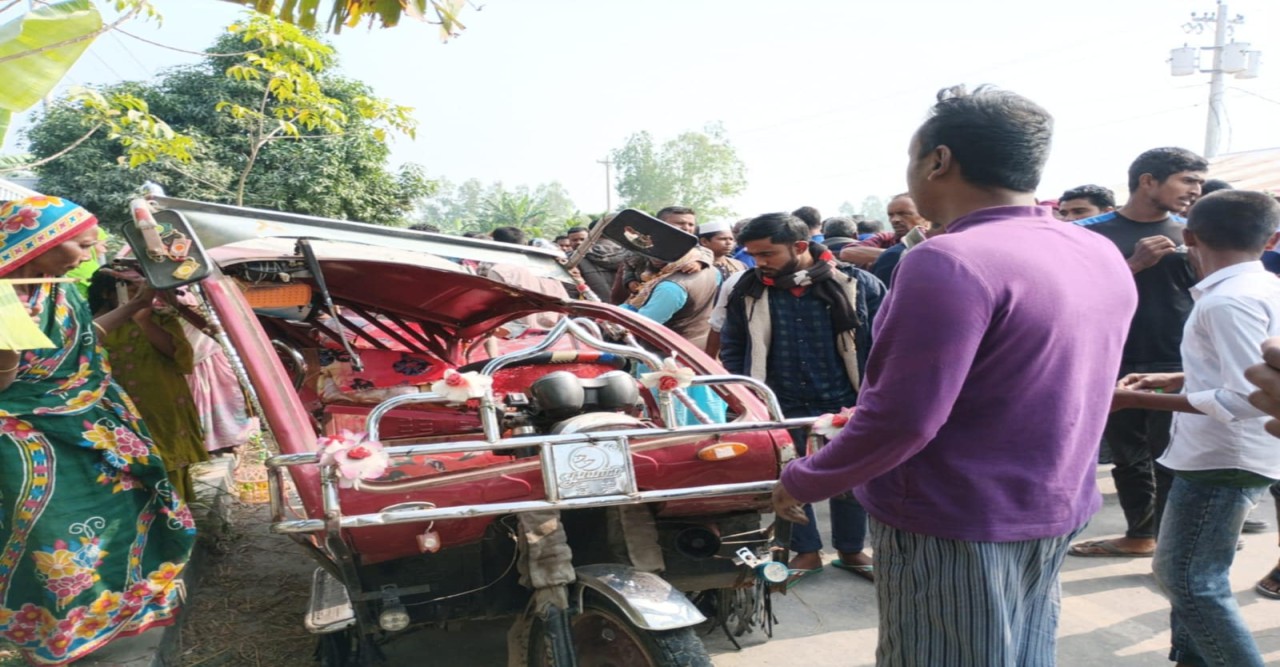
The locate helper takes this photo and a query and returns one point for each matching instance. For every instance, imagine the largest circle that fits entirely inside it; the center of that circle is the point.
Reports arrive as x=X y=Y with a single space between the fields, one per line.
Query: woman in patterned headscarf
x=92 y=535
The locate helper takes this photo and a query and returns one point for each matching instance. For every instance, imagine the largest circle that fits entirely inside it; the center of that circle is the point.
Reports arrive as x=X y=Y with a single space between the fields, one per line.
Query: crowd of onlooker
x=1039 y=332
x=972 y=360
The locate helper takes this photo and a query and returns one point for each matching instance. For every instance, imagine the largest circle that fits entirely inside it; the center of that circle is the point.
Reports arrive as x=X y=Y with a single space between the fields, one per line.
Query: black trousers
x=1136 y=439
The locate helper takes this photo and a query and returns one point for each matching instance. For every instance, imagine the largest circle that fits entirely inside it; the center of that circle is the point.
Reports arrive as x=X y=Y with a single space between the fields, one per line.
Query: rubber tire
x=344 y=649
x=666 y=648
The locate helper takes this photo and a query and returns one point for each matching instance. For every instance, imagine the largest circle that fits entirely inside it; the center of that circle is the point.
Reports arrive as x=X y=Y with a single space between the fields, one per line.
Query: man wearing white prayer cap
x=718 y=238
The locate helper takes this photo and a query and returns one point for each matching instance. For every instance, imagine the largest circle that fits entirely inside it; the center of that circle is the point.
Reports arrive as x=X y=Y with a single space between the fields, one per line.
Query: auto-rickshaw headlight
x=394 y=617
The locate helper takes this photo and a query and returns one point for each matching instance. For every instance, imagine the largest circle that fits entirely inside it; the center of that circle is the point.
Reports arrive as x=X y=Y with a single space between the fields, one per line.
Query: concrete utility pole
x=1217 y=86
x=1228 y=58
x=608 y=183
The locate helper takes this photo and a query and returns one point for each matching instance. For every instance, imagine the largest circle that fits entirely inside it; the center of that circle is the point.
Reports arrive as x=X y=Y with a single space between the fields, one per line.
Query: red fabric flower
x=25 y=218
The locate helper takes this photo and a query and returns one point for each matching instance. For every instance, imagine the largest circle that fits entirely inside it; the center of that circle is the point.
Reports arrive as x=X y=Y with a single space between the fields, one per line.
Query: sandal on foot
x=865 y=571
x=1274 y=577
x=1106 y=549
x=797 y=575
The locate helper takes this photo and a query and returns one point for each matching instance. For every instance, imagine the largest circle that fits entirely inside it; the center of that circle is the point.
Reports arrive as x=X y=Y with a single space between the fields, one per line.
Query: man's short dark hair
x=1241 y=220
x=576 y=230
x=1096 y=194
x=562 y=237
x=782 y=228
x=998 y=139
x=512 y=235
x=810 y=216
x=840 y=227
x=673 y=210
x=1162 y=163
x=1213 y=185
x=870 y=227
x=425 y=227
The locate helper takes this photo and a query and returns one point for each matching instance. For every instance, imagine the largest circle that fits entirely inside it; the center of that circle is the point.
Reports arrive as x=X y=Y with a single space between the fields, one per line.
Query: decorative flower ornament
x=668 y=377
x=458 y=387
x=356 y=456
x=829 y=425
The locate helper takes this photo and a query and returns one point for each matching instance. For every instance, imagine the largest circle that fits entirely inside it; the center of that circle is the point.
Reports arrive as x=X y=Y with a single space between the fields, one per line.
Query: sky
x=818 y=97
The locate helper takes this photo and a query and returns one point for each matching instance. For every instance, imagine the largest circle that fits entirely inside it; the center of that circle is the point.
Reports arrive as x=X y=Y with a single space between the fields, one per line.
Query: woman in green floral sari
x=92 y=535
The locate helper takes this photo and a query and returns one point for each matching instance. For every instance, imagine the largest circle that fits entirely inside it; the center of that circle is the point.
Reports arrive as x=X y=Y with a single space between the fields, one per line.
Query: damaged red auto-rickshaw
x=440 y=468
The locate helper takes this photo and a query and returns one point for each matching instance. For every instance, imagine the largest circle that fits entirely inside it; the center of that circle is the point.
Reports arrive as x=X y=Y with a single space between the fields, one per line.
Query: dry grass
x=247 y=608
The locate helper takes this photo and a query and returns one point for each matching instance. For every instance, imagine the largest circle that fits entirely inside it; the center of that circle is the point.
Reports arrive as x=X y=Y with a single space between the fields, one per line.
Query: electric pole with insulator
x=1228 y=58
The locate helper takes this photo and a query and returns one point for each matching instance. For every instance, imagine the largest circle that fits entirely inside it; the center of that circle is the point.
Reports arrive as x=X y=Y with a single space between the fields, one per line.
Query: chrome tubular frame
x=761 y=390
x=333 y=521
x=490 y=509
x=489 y=407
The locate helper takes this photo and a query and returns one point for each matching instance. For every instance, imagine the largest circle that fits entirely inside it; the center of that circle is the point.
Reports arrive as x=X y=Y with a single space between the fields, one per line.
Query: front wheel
x=347 y=648
x=603 y=637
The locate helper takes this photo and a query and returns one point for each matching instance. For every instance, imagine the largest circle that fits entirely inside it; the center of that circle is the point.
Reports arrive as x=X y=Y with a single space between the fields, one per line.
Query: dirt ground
x=246 y=609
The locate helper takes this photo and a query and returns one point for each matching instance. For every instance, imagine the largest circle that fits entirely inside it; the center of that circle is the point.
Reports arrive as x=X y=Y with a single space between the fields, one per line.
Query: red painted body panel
x=468 y=304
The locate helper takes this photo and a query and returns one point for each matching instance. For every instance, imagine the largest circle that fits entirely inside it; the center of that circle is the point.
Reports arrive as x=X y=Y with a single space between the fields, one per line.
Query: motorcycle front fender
x=646 y=599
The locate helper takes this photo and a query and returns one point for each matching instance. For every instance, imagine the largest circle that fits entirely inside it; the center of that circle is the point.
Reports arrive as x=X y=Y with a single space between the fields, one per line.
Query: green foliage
x=696 y=169
x=331 y=162
x=470 y=206
x=871 y=208
x=285 y=65
x=349 y=13
x=128 y=120
x=38 y=47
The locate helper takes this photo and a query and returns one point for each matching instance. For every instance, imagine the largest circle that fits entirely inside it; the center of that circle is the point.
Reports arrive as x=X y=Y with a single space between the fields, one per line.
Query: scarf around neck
x=819 y=277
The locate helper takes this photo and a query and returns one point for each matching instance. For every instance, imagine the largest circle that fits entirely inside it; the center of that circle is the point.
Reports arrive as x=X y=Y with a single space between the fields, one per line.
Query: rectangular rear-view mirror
x=167 y=251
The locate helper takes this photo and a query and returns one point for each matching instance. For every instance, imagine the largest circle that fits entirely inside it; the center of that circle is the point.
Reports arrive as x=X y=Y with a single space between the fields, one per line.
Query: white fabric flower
x=668 y=377
x=356 y=456
x=459 y=387
x=829 y=425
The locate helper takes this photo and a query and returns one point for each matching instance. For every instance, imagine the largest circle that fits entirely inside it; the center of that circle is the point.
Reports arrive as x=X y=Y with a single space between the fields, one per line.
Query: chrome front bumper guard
x=335 y=521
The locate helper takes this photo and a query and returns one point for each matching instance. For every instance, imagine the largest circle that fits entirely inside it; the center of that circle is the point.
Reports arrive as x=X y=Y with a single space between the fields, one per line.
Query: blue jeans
x=848 y=519
x=1197 y=544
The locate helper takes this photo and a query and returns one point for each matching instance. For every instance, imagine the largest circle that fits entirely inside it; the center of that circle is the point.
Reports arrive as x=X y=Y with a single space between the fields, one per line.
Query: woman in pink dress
x=219 y=400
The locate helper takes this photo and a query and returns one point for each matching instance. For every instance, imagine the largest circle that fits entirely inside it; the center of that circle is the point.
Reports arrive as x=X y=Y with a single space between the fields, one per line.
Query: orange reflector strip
x=721 y=451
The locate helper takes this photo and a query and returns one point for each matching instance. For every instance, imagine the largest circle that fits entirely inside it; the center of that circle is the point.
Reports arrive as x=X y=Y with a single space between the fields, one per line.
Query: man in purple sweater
x=975 y=439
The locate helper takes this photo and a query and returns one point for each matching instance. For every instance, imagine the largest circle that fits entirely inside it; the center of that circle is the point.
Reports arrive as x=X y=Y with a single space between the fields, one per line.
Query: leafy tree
x=514 y=209
x=38 y=47
x=871 y=208
x=696 y=169
x=349 y=13
x=272 y=128
x=474 y=207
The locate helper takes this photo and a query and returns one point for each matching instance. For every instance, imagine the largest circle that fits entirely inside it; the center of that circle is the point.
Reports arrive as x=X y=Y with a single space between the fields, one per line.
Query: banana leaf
x=37 y=49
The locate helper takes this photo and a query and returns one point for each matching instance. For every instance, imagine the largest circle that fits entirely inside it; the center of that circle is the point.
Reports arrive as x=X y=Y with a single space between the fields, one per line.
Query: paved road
x=1112 y=612
x=1112 y=616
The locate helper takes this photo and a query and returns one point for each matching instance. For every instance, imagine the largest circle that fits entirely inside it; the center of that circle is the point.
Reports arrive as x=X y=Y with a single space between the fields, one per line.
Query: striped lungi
x=950 y=603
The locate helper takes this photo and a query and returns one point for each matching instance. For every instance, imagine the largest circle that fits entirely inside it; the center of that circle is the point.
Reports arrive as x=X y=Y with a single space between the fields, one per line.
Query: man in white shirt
x=1221 y=455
